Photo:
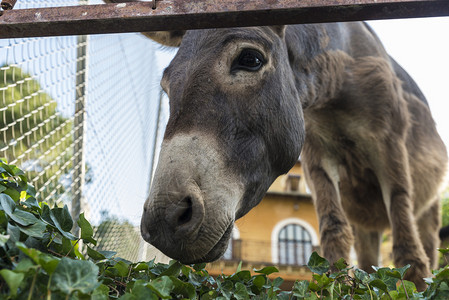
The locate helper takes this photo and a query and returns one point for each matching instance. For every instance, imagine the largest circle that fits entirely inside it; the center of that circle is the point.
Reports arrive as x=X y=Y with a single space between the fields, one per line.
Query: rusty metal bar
x=198 y=14
x=8 y=4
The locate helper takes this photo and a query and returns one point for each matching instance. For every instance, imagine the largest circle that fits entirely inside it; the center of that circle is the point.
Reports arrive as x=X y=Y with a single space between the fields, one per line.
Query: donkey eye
x=248 y=60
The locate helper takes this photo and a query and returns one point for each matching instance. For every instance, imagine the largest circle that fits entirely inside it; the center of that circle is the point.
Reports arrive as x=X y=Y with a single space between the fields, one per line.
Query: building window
x=294 y=245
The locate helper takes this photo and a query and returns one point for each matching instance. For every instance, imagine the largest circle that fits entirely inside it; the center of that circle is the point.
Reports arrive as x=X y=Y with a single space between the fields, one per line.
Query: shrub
x=41 y=259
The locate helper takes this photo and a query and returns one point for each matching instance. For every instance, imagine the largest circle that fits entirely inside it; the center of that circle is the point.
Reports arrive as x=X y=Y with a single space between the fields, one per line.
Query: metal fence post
x=79 y=169
x=156 y=136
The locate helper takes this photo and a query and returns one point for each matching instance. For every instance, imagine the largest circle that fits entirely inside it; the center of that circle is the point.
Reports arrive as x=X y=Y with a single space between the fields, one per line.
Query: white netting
x=80 y=115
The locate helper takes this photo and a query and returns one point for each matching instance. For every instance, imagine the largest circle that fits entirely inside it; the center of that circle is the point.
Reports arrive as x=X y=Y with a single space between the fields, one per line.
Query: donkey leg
x=335 y=231
x=428 y=225
x=367 y=246
x=407 y=246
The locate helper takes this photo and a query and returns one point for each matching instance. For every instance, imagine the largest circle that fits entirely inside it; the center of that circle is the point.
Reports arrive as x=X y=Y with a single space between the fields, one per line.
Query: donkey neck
x=321 y=55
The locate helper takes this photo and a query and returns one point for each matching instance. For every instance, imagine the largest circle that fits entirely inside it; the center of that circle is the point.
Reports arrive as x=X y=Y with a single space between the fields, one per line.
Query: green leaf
x=362 y=276
x=13 y=280
x=199 y=267
x=318 y=264
x=36 y=230
x=122 y=269
x=75 y=275
x=377 y=283
x=7 y=168
x=13 y=232
x=341 y=264
x=267 y=270
x=7 y=204
x=240 y=291
x=183 y=288
x=409 y=287
x=174 y=269
x=95 y=255
x=239 y=267
x=63 y=221
x=12 y=192
x=100 y=293
x=23 y=218
x=87 y=231
x=32 y=203
x=301 y=288
x=162 y=286
x=108 y=254
x=244 y=276
x=31 y=190
x=398 y=272
x=277 y=282
x=142 y=292
x=3 y=240
x=48 y=262
x=259 y=281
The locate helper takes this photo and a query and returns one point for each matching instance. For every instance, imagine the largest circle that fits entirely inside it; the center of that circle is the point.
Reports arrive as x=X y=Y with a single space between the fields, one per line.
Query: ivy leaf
x=183 y=288
x=108 y=254
x=162 y=286
x=267 y=270
x=300 y=288
x=241 y=293
x=36 y=230
x=198 y=267
x=32 y=203
x=341 y=264
x=86 y=230
x=398 y=272
x=318 y=264
x=244 y=276
x=259 y=281
x=377 y=283
x=122 y=269
x=3 y=240
x=140 y=291
x=7 y=204
x=48 y=262
x=63 y=221
x=100 y=293
x=362 y=276
x=13 y=280
x=174 y=269
x=95 y=255
x=75 y=275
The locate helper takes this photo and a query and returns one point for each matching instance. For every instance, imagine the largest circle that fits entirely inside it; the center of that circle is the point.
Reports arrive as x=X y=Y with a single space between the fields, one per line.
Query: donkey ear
x=166 y=38
x=279 y=29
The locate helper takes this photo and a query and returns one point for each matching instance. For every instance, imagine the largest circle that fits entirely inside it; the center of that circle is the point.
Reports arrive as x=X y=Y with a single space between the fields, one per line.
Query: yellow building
x=281 y=231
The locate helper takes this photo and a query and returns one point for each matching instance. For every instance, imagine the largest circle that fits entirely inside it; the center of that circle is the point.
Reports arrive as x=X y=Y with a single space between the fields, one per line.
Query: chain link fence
x=83 y=117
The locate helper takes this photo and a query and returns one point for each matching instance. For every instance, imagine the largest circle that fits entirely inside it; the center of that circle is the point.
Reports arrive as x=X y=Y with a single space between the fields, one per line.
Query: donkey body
x=245 y=101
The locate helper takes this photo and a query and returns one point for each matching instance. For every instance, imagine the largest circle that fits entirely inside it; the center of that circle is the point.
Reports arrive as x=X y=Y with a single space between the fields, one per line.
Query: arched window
x=292 y=241
x=294 y=245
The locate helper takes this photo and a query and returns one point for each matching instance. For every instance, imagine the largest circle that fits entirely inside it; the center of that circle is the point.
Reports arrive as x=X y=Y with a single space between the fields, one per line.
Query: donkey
x=245 y=101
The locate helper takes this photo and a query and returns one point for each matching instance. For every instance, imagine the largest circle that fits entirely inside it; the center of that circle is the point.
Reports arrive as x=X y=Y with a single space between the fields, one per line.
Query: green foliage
x=30 y=119
x=40 y=259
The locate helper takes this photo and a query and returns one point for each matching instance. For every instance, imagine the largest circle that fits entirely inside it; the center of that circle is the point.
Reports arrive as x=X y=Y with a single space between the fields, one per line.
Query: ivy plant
x=41 y=259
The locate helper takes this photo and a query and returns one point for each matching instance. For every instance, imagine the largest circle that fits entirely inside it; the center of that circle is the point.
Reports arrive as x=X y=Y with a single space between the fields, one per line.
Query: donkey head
x=235 y=125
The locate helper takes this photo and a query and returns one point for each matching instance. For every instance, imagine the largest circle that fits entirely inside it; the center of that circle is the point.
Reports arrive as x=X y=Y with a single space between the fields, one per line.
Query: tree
x=117 y=235
x=33 y=133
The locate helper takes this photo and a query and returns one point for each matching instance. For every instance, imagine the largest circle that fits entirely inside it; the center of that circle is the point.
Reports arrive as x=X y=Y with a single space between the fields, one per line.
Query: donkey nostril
x=186 y=215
